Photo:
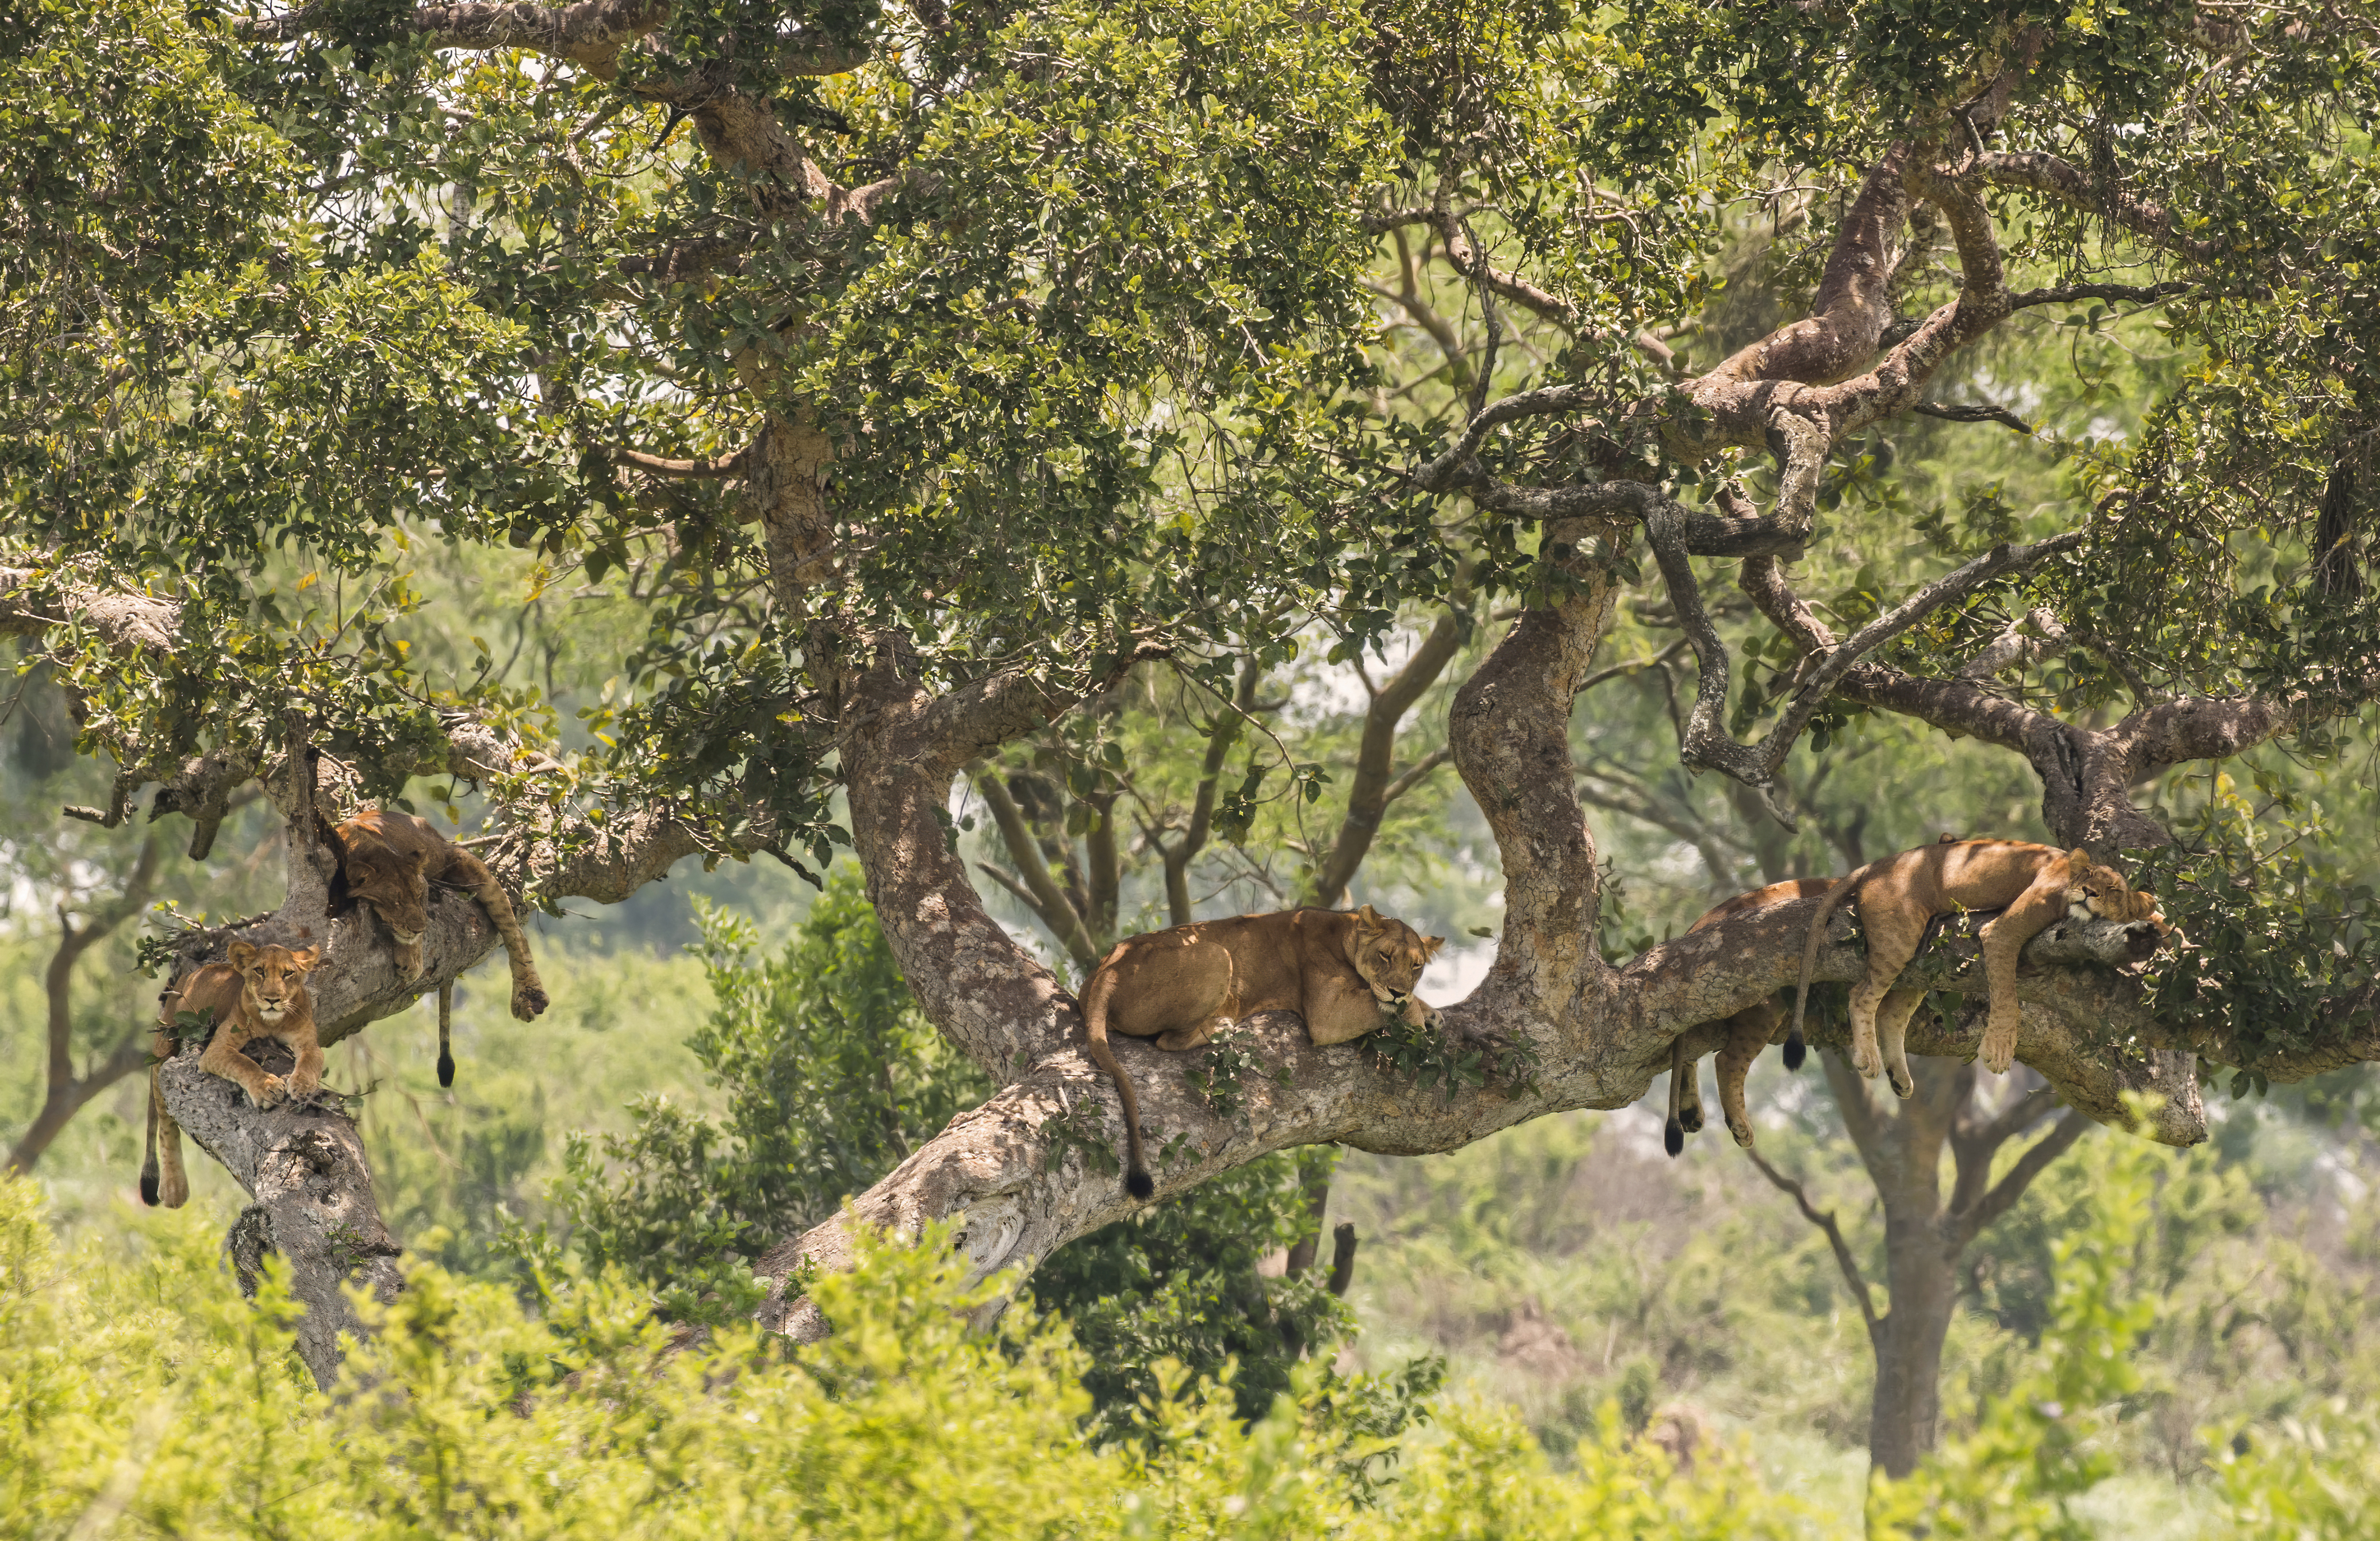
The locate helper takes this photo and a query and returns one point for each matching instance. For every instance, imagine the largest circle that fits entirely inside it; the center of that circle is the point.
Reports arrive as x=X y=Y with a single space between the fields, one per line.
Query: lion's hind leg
x=1215 y=1015
x=1892 y=1014
x=1748 y=1034
x=1893 y=938
x=528 y=990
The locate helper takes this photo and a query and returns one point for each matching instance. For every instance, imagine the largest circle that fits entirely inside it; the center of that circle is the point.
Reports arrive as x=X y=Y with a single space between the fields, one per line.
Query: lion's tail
x=1835 y=896
x=149 y=1156
x=445 y=1031
x=1096 y=996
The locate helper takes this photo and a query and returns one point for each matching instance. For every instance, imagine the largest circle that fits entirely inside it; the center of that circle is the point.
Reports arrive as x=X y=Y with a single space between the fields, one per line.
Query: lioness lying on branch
x=2031 y=886
x=1341 y=972
x=389 y=860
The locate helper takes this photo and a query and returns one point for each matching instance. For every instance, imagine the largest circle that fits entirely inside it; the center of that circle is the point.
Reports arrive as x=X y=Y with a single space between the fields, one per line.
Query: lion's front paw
x=1999 y=1050
x=270 y=1092
x=1867 y=1060
x=527 y=1001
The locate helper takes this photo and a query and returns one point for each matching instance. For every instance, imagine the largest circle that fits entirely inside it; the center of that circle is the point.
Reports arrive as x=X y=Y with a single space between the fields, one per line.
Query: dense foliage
x=142 y=1396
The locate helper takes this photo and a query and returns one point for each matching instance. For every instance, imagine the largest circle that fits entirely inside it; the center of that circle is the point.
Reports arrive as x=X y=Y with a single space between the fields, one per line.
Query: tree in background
x=77 y=887
x=928 y=377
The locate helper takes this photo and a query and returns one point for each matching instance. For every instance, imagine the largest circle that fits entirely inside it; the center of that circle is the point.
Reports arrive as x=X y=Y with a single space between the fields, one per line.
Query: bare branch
x=1955 y=412
x=2040 y=172
x=1860 y=1293
x=726 y=467
x=1375 y=788
x=1046 y=899
x=1967 y=1226
x=1708 y=742
x=2114 y=293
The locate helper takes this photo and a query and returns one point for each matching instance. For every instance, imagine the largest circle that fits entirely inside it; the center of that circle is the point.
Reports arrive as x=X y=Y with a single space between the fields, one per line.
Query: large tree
x=931 y=372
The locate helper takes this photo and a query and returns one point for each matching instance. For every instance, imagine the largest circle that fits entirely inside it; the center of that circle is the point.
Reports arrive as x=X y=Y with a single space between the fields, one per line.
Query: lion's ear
x=1430 y=946
x=305 y=958
x=420 y=862
x=359 y=871
x=1370 y=919
x=242 y=954
x=2079 y=859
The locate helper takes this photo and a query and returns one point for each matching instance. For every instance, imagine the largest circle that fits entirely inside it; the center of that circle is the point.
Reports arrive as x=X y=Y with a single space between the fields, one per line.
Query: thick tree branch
x=2114 y=293
x=1959 y=412
x=725 y=468
x=1851 y=307
x=303 y=1166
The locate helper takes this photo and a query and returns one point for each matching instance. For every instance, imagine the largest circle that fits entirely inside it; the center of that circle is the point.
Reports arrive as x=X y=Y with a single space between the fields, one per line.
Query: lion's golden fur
x=260 y=993
x=388 y=860
x=1339 y=970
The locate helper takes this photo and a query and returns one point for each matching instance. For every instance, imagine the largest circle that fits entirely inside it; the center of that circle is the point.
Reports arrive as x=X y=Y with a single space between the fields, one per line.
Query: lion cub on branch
x=2031 y=886
x=260 y=993
x=389 y=860
x=1341 y=972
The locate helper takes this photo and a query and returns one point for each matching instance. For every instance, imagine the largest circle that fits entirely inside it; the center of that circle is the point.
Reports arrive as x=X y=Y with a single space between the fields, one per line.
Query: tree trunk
x=1905 y=1414
x=1901 y=1146
x=1901 y=1142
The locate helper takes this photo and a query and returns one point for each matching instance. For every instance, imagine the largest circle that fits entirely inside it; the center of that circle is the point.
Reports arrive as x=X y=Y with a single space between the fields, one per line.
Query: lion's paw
x=1998 y=1052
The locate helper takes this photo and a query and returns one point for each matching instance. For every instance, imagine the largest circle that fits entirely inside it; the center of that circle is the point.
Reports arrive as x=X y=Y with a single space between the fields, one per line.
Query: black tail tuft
x=445 y=1068
x=1795 y=1049
x=1136 y=1183
x=149 y=1186
x=1673 y=1137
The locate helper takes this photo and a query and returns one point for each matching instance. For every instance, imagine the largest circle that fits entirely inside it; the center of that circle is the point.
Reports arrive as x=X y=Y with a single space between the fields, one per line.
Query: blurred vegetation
x=145 y=1396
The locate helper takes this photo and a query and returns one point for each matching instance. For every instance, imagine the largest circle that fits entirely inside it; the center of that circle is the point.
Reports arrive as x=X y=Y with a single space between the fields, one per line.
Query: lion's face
x=270 y=977
x=2098 y=891
x=1391 y=956
x=397 y=890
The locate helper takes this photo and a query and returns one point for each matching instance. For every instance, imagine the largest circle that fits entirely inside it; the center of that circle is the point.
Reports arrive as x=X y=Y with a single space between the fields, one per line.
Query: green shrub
x=140 y=1396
